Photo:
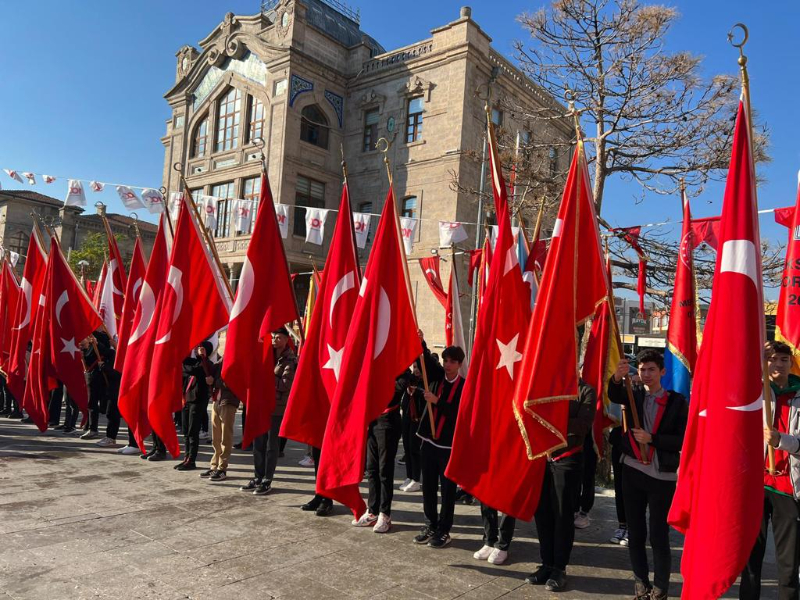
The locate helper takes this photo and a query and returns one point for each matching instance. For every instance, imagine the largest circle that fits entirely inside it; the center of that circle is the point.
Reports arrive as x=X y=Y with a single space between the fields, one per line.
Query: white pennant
x=208 y=206
x=407 y=228
x=451 y=233
x=48 y=178
x=97 y=186
x=315 y=225
x=361 y=225
x=13 y=174
x=75 y=195
x=153 y=201
x=106 y=308
x=30 y=177
x=243 y=210
x=129 y=197
x=282 y=213
x=175 y=205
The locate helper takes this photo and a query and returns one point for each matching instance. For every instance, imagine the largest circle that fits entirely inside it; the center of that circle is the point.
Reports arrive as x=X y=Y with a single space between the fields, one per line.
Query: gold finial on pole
x=261 y=144
x=385 y=152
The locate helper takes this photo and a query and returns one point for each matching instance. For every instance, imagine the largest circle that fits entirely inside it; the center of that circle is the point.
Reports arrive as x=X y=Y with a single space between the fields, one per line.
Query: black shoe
x=26 y=420
x=187 y=466
x=157 y=456
x=539 y=576
x=281 y=454
x=324 y=509
x=249 y=486
x=15 y=415
x=219 y=476
x=557 y=581
x=401 y=460
x=439 y=540
x=642 y=590
x=658 y=594
x=424 y=535
x=263 y=488
x=67 y=430
x=468 y=499
x=312 y=504
x=238 y=446
x=59 y=427
x=183 y=462
x=207 y=474
x=5 y=413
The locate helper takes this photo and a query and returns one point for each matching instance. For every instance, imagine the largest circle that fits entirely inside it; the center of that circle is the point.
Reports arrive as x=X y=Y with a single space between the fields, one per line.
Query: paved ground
x=78 y=521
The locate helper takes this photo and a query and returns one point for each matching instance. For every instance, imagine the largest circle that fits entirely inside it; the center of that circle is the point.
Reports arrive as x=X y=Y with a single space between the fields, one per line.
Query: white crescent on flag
x=384 y=323
x=148 y=303
x=174 y=280
x=62 y=300
x=348 y=282
x=27 y=291
x=245 y=291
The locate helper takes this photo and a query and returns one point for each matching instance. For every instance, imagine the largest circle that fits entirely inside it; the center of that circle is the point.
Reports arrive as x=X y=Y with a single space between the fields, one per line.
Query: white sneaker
x=582 y=521
x=128 y=450
x=205 y=436
x=498 y=557
x=483 y=553
x=624 y=540
x=107 y=442
x=414 y=486
x=366 y=520
x=384 y=523
x=405 y=484
x=618 y=536
x=307 y=462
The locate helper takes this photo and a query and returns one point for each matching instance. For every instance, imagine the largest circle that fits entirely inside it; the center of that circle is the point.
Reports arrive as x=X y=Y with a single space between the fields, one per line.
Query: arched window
x=255 y=119
x=409 y=206
x=200 y=139
x=314 y=126
x=228 y=117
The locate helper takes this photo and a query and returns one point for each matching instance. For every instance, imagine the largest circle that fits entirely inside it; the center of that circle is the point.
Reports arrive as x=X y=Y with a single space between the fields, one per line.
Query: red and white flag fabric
x=573 y=285
x=13 y=174
x=321 y=359
x=194 y=305
x=381 y=343
x=264 y=302
x=454 y=324
x=105 y=307
x=11 y=294
x=430 y=270
x=451 y=233
x=129 y=198
x=31 y=287
x=243 y=215
x=30 y=177
x=489 y=457
x=787 y=321
x=153 y=201
x=361 y=223
x=116 y=274
x=48 y=178
x=135 y=382
x=132 y=291
x=408 y=229
x=97 y=186
x=315 y=225
x=75 y=194
x=70 y=319
x=282 y=214
x=721 y=498
x=97 y=294
x=706 y=230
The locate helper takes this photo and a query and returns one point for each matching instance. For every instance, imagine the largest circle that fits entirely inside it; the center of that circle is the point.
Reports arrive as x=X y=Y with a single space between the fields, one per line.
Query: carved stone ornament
x=417 y=86
x=371 y=97
x=231 y=47
x=283 y=20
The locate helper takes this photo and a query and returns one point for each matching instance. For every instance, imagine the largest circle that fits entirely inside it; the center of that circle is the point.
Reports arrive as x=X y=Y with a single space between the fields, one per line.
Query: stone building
x=71 y=224
x=302 y=76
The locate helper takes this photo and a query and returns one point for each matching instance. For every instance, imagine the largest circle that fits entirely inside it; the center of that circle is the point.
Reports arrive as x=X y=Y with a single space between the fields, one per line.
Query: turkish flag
x=132 y=291
x=706 y=230
x=264 y=302
x=321 y=360
x=573 y=285
x=135 y=383
x=97 y=298
x=720 y=495
x=11 y=293
x=430 y=270
x=71 y=318
x=489 y=457
x=787 y=322
x=454 y=324
x=381 y=343
x=193 y=305
x=119 y=281
x=22 y=329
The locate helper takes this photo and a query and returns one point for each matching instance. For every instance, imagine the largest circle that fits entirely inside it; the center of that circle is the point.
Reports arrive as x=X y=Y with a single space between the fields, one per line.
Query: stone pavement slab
x=78 y=521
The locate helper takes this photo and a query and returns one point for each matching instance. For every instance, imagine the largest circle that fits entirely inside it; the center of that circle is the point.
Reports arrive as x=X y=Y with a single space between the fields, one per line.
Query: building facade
x=304 y=78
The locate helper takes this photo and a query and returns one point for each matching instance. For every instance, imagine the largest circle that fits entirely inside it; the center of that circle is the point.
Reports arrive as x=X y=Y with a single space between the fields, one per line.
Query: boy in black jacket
x=650 y=459
x=198 y=379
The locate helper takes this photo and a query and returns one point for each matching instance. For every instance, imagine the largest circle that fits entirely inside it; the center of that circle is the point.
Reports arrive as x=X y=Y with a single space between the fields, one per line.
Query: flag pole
x=406 y=276
x=767 y=392
x=164 y=193
x=350 y=206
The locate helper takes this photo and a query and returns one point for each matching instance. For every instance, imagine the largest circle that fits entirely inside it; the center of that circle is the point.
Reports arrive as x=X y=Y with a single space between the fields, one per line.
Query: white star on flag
x=335 y=361
x=70 y=347
x=509 y=355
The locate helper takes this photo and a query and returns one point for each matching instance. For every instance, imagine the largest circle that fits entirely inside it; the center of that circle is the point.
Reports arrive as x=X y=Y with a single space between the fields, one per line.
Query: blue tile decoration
x=337 y=102
x=299 y=85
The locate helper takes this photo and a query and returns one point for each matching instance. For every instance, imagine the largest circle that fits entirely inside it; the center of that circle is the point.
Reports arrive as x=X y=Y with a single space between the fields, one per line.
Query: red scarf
x=781 y=481
x=661 y=400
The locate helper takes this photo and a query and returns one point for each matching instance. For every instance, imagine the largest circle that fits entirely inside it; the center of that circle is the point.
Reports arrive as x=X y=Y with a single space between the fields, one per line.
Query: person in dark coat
x=198 y=380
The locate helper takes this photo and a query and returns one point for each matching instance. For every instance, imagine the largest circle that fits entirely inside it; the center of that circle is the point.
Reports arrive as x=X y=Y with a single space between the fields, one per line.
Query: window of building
x=228 y=116
x=224 y=193
x=552 y=155
x=525 y=137
x=255 y=119
x=307 y=193
x=314 y=126
x=370 y=129
x=18 y=242
x=409 y=206
x=497 y=117
x=414 y=121
x=252 y=191
x=200 y=139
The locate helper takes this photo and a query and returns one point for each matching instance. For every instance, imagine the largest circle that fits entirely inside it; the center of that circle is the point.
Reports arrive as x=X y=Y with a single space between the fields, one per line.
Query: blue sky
x=83 y=83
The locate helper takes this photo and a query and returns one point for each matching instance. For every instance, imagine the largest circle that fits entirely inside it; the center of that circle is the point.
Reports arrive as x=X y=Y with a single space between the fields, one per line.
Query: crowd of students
x=645 y=459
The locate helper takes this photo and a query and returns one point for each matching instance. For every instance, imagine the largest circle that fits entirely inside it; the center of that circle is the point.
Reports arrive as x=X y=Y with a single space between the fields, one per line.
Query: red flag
x=98 y=286
x=194 y=305
x=474 y=263
x=632 y=237
x=135 y=383
x=721 y=498
x=785 y=216
x=264 y=302
x=573 y=285
x=116 y=271
x=319 y=364
x=706 y=230
x=71 y=318
x=11 y=293
x=381 y=343
x=787 y=322
x=489 y=457
x=430 y=270
x=132 y=291
x=22 y=330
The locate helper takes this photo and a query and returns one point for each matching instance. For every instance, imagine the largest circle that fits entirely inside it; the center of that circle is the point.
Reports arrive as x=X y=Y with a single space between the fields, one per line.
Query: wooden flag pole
x=406 y=276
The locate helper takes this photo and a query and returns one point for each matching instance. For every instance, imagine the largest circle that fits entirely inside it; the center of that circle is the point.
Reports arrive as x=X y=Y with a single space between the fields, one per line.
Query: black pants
x=159 y=447
x=586 y=498
x=54 y=408
x=316 y=453
x=783 y=511
x=619 y=498
x=499 y=536
x=642 y=492
x=94 y=419
x=434 y=463
x=411 y=447
x=113 y=416
x=383 y=438
x=265 y=451
x=204 y=421
x=555 y=516
x=192 y=418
